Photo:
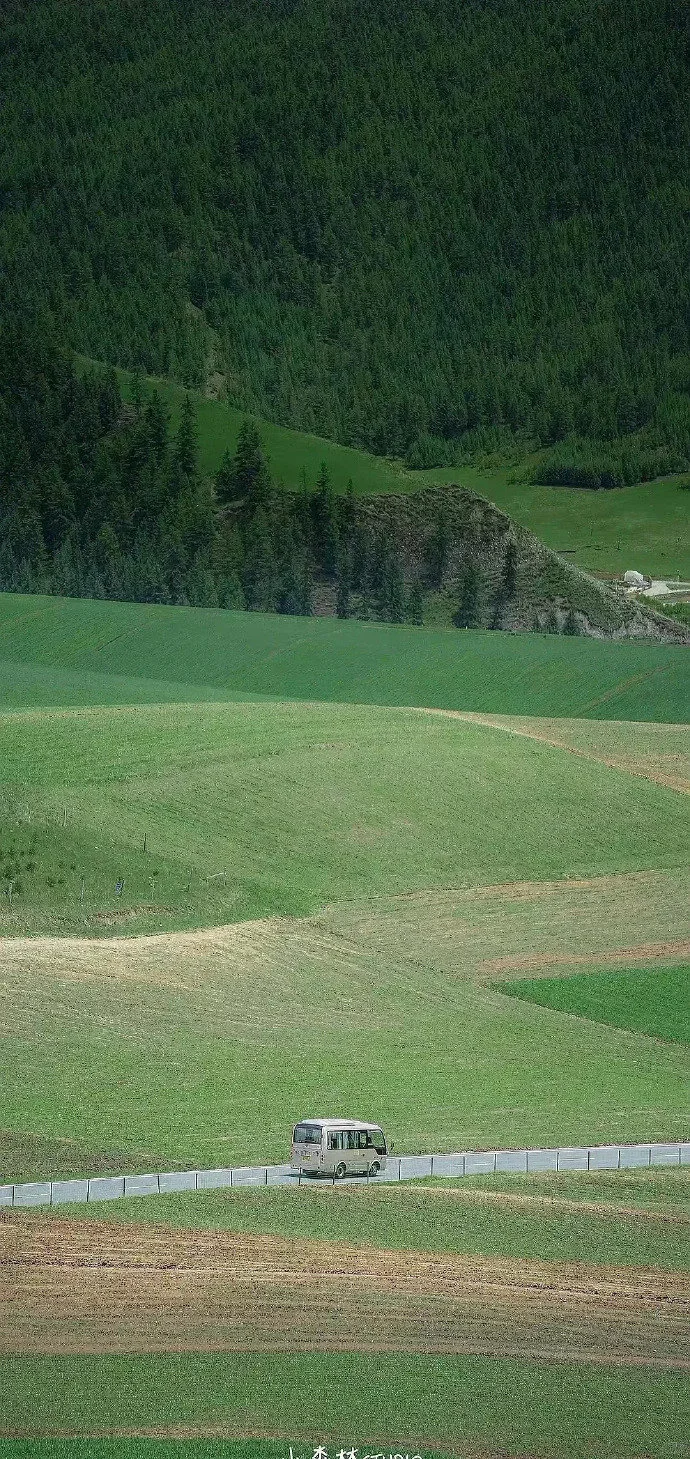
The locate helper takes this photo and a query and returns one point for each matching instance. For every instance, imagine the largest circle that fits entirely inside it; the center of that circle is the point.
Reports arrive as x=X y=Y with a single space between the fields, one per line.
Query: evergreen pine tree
x=250 y=472
x=186 y=445
x=306 y=587
x=225 y=479
x=468 y=612
x=437 y=551
x=157 y=424
x=231 y=593
x=325 y=523
x=415 y=603
x=393 y=593
x=260 y=571
x=342 y=606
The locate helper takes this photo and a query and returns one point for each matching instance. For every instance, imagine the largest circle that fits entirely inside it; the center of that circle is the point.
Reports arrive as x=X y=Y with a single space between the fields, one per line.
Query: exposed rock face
x=533 y=589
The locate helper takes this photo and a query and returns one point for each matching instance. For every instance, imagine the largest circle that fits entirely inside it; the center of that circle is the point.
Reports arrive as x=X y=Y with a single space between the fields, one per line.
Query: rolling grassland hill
x=411 y=279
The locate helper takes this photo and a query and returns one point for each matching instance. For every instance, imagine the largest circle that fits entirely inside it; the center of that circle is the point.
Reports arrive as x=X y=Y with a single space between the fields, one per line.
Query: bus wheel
x=374 y=1168
x=339 y=1171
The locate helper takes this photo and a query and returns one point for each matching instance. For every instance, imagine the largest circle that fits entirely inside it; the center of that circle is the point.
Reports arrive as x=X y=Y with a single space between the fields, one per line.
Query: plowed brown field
x=96 y=1287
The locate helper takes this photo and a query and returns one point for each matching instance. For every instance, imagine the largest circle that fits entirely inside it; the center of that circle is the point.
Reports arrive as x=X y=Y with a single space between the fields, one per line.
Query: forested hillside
x=426 y=227
x=100 y=498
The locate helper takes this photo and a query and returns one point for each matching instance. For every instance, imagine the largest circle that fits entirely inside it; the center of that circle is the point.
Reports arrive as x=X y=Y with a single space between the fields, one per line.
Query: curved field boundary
x=399 y=1167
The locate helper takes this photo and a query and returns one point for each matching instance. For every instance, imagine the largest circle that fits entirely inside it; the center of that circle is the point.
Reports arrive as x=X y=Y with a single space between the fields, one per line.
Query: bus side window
x=332 y=1140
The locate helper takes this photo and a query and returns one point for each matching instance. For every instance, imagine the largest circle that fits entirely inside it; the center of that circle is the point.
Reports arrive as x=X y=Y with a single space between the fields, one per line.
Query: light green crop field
x=659 y=751
x=71 y=650
x=644 y=526
x=654 y=1001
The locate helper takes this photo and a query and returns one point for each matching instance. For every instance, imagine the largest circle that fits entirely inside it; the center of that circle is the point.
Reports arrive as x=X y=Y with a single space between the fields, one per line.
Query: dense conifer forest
x=430 y=228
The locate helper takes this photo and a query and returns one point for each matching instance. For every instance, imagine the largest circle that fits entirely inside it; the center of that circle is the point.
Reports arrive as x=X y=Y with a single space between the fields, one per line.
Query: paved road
x=398 y=1167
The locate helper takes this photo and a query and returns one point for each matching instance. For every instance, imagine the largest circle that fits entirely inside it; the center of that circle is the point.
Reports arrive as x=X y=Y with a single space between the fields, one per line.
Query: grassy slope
x=644 y=526
x=204 y=1051
x=298 y=805
x=655 y=1001
x=209 y=652
x=528 y=1408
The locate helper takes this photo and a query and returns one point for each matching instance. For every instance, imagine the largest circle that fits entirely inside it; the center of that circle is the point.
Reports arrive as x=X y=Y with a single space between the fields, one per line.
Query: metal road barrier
x=398 y=1167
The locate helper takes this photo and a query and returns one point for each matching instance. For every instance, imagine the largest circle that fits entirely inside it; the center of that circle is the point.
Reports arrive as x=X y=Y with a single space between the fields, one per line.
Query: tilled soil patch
x=96 y=1287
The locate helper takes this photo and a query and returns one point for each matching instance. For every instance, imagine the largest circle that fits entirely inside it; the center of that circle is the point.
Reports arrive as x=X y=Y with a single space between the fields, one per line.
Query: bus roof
x=349 y=1124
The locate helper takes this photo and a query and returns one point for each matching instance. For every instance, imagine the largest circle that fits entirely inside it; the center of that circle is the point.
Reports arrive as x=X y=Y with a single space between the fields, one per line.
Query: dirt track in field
x=96 y=1287
x=670 y=770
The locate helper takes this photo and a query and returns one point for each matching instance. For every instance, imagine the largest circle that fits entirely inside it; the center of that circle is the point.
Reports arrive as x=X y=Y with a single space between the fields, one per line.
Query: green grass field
x=507 y=1405
x=388 y=874
x=655 y=1001
x=69 y=650
x=644 y=526
x=346 y=825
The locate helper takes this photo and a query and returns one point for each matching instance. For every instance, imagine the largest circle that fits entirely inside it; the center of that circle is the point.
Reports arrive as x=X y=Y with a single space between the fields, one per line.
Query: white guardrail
x=398 y=1167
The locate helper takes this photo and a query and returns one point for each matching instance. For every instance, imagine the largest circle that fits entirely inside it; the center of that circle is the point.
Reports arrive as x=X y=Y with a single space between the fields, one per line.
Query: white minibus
x=338 y=1148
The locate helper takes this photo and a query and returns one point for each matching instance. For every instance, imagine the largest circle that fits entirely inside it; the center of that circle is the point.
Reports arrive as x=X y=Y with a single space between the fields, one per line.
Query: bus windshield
x=307 y=1135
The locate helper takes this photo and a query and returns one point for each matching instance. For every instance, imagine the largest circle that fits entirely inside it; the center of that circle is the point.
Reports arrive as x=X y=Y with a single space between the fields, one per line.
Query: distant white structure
x=635 y=582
